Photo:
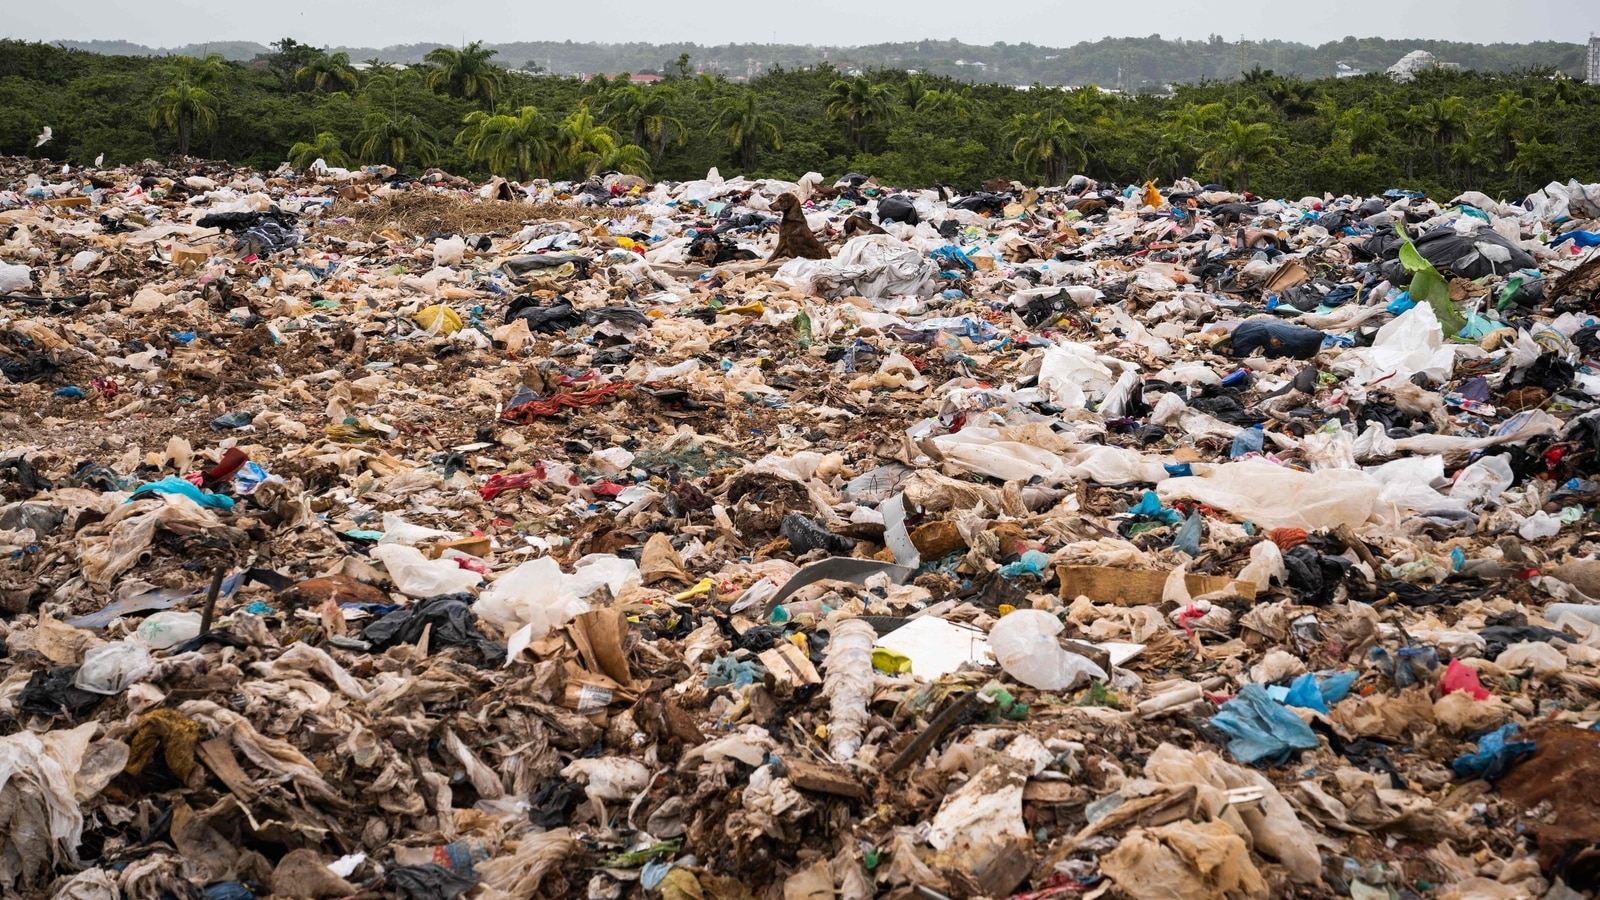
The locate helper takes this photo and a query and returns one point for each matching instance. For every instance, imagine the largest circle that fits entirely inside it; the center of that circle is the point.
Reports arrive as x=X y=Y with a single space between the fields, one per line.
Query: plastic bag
x=1495 y=755
x=1538 y=526
x=1275 y=497
x=1485 y=479
x=1276 y=338
x=1072 y=374
x=1184 y=861
x=41 y=823
x=1262 y=730
x=398 y=531
x=110 y=668
x=449 y=251
x=537 y=596
x=849 y=685
x=1460 y=677
x=1412 y=344
x=873 y=266
x=169 y=629
x=417 y=576
x=1024 y=644
x=15 y=279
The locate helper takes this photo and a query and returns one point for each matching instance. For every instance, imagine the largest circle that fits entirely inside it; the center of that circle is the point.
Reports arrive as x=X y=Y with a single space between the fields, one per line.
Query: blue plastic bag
x=1495 y=755
x=174 y=485
x=1188 y=539
x=1149 y=507
x=1248 y=441
x=1261 y=730
x=1305 y=694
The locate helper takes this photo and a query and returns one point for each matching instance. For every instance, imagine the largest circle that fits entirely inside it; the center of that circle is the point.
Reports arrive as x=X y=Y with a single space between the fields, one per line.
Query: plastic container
x=169 y=628
x=1024 y=644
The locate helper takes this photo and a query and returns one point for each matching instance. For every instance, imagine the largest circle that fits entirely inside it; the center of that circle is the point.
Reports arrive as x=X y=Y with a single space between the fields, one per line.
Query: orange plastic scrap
x=524 y=413
x=1287 y=538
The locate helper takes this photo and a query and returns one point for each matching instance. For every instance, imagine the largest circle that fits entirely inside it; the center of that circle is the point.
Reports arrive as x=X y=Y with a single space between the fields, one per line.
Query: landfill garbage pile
x=369 y=534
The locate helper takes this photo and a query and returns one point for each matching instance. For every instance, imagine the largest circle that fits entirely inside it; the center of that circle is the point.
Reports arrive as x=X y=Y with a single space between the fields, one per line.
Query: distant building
x=1417 y=61
x=1594 y=60
x=1345 y=70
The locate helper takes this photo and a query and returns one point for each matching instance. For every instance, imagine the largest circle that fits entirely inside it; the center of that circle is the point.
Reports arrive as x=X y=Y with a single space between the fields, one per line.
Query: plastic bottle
x=1024 y=644
x=849 y=685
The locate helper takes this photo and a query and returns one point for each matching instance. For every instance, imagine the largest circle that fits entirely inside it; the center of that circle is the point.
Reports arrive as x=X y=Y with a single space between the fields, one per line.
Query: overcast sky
x=165 y=23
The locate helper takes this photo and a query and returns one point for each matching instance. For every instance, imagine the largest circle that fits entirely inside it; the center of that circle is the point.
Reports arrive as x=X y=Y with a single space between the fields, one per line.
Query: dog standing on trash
x=794 y=235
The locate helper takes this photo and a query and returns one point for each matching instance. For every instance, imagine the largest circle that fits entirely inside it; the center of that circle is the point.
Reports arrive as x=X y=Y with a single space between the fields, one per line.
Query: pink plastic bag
x=1458 y=677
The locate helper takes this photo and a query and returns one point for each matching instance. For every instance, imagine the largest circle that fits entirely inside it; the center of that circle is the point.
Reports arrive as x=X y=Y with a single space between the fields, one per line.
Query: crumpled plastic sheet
x=1262 y=730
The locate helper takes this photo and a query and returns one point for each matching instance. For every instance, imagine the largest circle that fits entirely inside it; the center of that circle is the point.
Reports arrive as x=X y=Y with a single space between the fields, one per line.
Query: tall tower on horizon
x=1594 y=60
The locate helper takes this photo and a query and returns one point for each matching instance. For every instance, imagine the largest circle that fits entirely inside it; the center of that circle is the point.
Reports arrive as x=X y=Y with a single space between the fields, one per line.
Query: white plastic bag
x=1071 y=374
x=1485 y=479
x=1024 y=644
x=169 y=628
x=1410 y=345
x=15 y=279
x=609 y=778
x=537 y=596
x=449 y=251
x=1538 y=526
x=417 y=576
x=110 y=668
x=398 y=531
x=1274 y=497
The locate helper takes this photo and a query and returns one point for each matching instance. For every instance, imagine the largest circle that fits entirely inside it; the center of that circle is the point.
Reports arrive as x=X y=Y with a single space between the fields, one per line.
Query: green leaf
x=1428 y=286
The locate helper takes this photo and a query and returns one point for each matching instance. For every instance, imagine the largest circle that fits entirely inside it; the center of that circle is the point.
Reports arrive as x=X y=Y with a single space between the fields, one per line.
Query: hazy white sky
x=165 y=23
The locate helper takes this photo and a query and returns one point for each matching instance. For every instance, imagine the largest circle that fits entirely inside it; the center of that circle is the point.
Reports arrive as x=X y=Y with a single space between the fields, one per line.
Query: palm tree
x=328 y=73
x=388 y=138
x=643 y=111
x=465 y=74
x=1239 y=147
x=1414 y=127
x=1510 y=120
x=183 y=106
x=326 y=147
x=950 y=103
x=1533 y=159
x=860 y=104
x=1443 y=121
x=1181 y=136
x=587 y=147
x=1046 y=144
x=747 y=127
x=511 y=144
x=1474 y=151
x=204 y=72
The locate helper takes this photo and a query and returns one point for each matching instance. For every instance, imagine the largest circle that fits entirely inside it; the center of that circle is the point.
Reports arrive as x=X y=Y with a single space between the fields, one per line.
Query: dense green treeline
x=1132 y=63
x=1503 y=133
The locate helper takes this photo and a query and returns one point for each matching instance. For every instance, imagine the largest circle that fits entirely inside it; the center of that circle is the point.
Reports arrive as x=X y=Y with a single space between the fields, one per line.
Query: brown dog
x=860 y=224
x=794 y=235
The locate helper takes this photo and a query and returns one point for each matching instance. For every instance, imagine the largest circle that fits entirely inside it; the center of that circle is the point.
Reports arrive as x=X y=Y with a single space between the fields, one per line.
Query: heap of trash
x=404 y=536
